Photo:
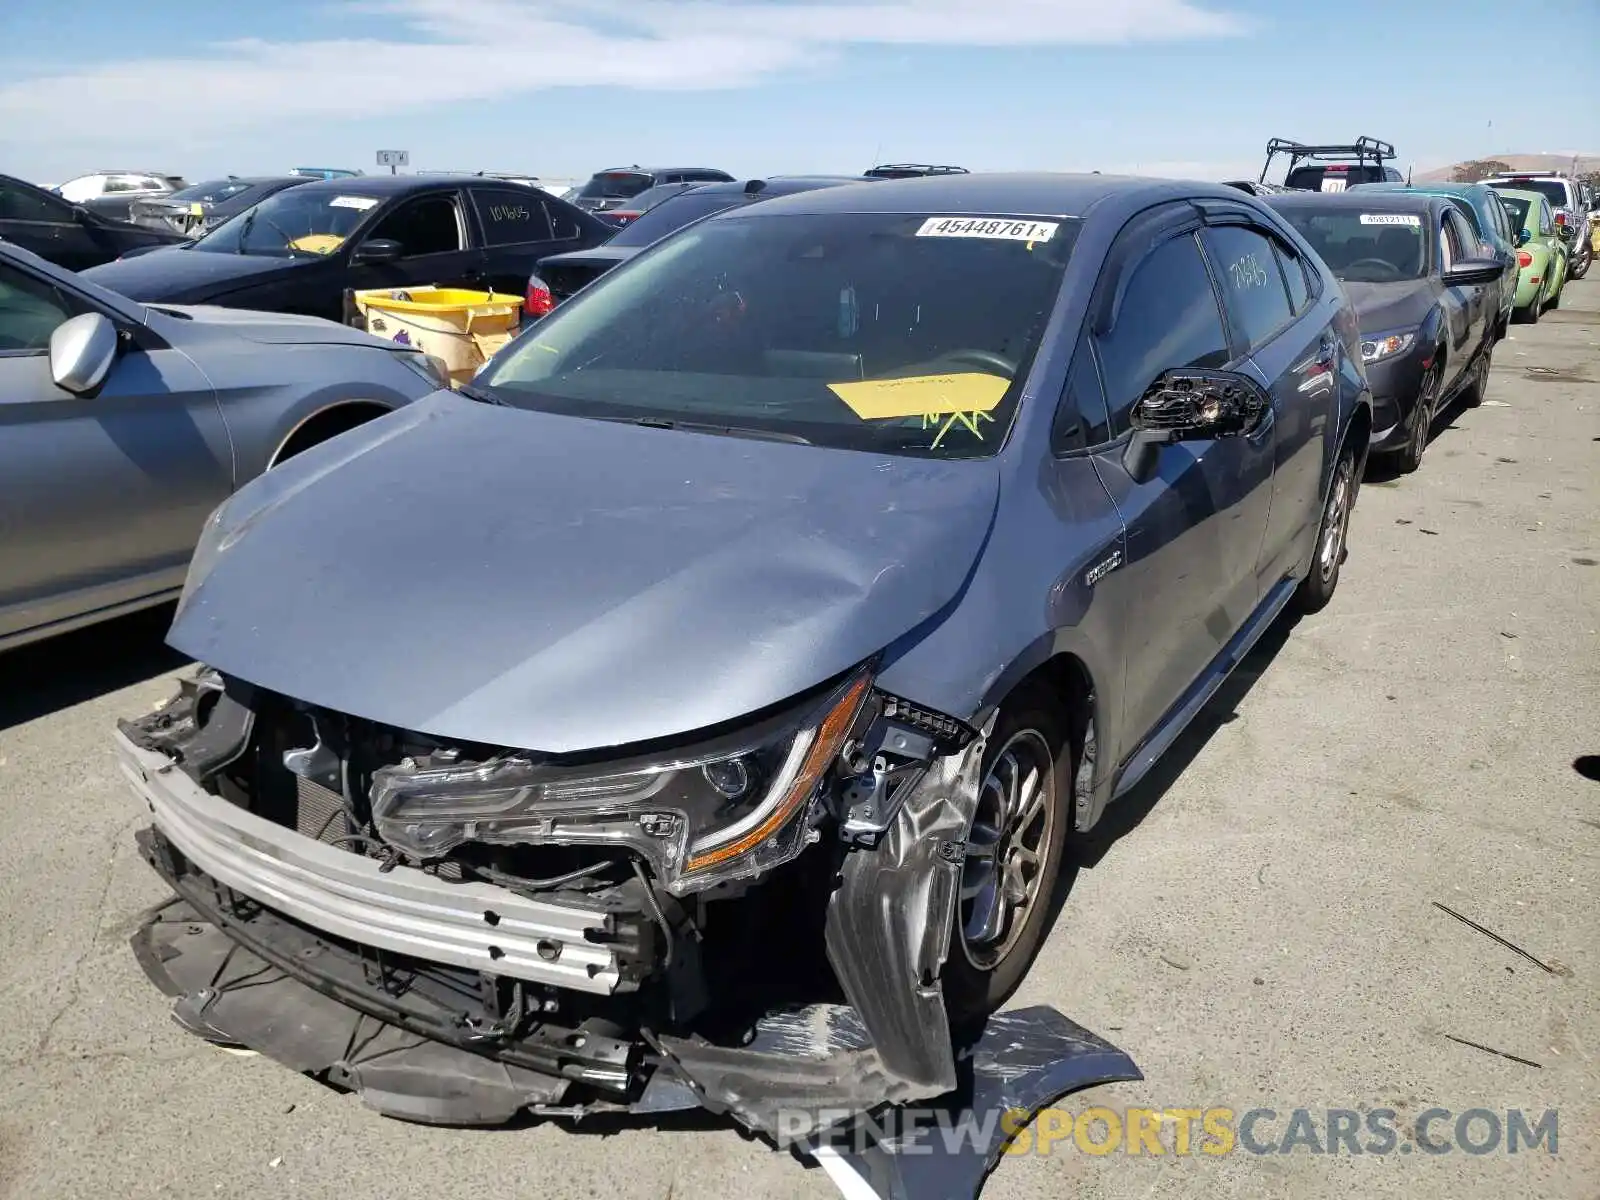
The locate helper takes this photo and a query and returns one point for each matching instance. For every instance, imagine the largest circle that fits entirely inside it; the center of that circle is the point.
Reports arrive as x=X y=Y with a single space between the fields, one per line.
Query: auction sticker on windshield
x=1004 y=228
x=1391 y=219
x=359 y=202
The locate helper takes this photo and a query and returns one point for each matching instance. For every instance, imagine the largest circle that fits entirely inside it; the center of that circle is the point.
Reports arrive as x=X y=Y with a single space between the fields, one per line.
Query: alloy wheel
x=1013 y=830
x=1336 y=519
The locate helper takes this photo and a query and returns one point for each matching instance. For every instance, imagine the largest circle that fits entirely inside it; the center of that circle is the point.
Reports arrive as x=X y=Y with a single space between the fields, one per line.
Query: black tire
x=1317 y=588
x=979 y=976
x=1579 y=270
x=1535 y=310
x=1472 y=395
x=1409 y=457
x=1555 y=301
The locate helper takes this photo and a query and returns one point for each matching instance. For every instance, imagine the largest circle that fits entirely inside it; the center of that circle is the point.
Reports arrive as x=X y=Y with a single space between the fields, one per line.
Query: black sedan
x=298 y=251
x=191 y=211
x=560 y=275
x=1428 y=305
x=66 y=234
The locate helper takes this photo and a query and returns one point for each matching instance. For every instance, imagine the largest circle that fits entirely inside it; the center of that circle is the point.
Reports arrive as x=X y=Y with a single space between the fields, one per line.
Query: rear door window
x=1168 y=318
x=1251 y=282
x=1294 y=277
x=511 y=216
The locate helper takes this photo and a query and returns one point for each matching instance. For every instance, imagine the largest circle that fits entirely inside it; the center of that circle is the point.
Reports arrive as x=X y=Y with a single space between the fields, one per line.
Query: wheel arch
x=328 y=421
x=1069 y=680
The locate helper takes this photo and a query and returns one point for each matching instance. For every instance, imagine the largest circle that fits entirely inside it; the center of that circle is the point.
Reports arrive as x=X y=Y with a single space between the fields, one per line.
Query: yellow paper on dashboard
x=922 y=395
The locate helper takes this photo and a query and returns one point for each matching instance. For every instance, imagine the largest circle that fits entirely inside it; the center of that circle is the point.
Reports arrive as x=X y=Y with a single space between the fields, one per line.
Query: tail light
x=1524 y=259
x=1561 y=218
x=538 y=301
x=623 y=216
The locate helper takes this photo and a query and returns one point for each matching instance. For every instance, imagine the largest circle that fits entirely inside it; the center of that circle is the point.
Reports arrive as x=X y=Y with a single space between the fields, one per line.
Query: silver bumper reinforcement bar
x=473 y=925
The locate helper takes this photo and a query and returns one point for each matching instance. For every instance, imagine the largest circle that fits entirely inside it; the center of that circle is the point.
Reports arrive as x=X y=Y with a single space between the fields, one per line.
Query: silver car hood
x=273 y=329
x=561 y=584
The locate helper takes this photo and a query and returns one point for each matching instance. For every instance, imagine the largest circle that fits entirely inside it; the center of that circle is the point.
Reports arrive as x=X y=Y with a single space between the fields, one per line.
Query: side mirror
x=1472 y=271
x=1190 y=404
x=1524 y=236
x=378 y=250
x=82 y=350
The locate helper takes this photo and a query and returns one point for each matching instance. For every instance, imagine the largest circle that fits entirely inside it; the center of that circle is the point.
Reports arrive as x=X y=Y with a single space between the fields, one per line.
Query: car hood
x=272 y=329
x=1381 y=307
x=176 y=273
x=555 y=583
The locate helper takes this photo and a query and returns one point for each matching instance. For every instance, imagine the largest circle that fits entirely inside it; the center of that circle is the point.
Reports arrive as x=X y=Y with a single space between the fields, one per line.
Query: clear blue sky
x=1185 y=87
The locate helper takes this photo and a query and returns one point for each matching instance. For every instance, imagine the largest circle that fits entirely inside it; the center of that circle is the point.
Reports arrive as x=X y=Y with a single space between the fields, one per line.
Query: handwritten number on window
x=1246 y=273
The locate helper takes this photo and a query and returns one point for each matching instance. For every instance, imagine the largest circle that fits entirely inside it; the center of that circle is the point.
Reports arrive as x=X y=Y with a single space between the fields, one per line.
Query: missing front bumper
x=808 y=1080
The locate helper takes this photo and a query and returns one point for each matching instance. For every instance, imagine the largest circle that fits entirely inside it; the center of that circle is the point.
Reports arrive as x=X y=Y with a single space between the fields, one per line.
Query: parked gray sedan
x=123 y=425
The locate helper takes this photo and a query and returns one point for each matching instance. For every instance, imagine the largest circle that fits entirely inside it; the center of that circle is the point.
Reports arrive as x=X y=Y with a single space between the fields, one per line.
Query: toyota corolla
x=752 y=637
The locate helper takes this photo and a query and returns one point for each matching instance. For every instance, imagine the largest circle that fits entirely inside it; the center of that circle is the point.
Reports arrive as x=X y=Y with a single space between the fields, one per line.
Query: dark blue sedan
x=760 y=627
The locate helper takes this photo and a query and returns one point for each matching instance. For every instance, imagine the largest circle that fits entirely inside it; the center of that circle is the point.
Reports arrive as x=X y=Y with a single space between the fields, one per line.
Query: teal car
x=1541 y=253
x=1497 y=232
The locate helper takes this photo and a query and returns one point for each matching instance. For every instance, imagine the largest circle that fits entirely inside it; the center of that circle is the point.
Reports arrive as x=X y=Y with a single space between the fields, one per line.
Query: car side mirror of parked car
x=1472 y=270
x=82 y=350
x=1524 y=236
x=1190 y=404
x=378 y=250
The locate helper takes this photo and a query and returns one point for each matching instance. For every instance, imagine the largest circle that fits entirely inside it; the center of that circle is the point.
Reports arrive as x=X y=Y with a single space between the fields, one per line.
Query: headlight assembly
x=1386 y=345
x=721 y=811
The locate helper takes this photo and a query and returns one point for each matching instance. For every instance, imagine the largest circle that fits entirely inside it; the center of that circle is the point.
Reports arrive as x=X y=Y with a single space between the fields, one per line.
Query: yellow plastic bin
x=462 y=329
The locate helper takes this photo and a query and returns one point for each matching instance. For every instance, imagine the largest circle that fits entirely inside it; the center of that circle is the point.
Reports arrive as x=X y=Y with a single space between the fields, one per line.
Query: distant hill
x=1581 y=164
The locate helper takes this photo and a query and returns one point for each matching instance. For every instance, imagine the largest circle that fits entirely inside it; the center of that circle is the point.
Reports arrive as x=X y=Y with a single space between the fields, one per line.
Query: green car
x=1541 y=254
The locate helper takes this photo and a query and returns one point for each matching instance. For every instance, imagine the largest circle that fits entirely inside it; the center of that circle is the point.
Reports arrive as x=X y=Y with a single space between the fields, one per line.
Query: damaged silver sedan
x=697 y=709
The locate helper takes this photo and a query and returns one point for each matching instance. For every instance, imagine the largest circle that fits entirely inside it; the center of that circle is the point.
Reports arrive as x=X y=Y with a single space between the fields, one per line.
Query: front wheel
x=1013 y=857
x=1409 y=457
x=1317 y=588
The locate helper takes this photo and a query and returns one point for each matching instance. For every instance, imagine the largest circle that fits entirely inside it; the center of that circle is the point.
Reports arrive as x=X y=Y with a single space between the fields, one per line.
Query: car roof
x=385 y=185
x=637 y=169
x=1022 y=194
x=1425 y=189
x=777 y=185
x=1399 y=200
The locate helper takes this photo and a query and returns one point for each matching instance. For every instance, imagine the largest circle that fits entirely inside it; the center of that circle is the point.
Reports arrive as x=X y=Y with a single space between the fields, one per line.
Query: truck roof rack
x=1363 y=150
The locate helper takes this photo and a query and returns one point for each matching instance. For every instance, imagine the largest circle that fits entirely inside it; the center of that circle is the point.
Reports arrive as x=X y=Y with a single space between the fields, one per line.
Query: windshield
x=296 y=223
x=1552 y=190
x=889 y=332
x=214 y=192
x=615 y=185
x=672 y=214
x=1364 y=247
x=1318 y=177
x=1517 y=209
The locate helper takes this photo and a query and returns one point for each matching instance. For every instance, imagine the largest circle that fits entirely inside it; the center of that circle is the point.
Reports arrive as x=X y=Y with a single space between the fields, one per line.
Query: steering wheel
x=1373 y=262
x=982 y=358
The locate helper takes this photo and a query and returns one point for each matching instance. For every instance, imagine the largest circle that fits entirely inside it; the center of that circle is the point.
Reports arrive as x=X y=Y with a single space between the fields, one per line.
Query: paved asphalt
x=1257 y=929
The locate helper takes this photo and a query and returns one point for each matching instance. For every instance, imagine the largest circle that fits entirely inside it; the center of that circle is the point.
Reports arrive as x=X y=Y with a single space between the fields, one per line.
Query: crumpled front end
x=753 y=924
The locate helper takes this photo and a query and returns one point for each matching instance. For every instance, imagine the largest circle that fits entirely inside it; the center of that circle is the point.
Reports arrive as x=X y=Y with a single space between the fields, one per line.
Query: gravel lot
x=1256 y=930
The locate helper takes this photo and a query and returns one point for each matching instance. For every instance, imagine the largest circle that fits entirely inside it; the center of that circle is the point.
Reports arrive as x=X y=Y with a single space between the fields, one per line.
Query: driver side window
x=30 y=310
x=20 y=204
x=426 y=225
x=1168 y=318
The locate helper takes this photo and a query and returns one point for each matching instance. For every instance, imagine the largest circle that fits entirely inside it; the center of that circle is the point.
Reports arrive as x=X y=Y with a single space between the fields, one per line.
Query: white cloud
x=469 y=50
